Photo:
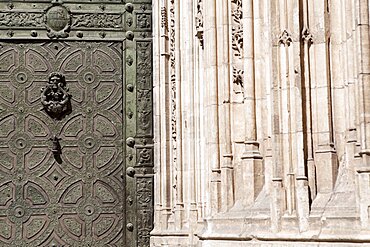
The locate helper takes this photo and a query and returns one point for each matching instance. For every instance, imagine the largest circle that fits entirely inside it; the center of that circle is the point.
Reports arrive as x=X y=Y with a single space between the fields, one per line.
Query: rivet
x=129 y=7
x=33 y=33
x=130 y=35
x=130 y=172
x=10 y=33
x=130 y=142
x=102 y=35
x=130 y=227
x=79 y=34
x=130 y=87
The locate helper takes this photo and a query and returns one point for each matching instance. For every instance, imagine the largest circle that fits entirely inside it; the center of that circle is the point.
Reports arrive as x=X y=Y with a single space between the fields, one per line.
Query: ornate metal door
x=75 y=123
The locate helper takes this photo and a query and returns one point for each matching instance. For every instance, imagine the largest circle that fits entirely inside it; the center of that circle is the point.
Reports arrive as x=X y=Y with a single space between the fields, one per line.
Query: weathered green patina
x=76 y=123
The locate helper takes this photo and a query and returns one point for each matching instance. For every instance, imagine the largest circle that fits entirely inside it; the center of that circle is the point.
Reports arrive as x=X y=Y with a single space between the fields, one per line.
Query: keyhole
x=21 y=144
x=56 y=47
x=19 y=213
x=89 y=211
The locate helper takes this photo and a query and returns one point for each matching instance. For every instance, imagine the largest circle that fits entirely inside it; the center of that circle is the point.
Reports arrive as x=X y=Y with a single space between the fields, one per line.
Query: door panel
x=76 y=194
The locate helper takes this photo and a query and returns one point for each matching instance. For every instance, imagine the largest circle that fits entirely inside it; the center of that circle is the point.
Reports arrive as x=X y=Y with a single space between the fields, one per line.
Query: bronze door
x=75 y=125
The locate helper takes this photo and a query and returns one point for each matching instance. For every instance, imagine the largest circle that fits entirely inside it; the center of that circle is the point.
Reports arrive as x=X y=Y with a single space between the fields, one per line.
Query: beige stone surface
x=262 y=123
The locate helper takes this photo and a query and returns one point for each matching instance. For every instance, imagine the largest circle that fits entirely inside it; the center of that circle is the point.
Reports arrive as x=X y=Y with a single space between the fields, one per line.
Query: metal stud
x=130 y=227
x=129 y=7
x=130 y=87
x=130 y=142
x=130 y=35
x=130 y=172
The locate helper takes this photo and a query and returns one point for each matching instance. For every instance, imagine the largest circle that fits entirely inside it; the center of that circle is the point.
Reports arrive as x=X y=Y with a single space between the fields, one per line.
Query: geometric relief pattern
x=75 y=197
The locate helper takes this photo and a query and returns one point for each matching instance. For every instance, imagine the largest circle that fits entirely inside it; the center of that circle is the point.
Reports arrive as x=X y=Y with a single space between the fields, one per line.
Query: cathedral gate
x=76 y=150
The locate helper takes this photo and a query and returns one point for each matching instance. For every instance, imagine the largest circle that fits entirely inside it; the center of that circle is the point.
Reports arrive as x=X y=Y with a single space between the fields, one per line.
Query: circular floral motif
x=22 y=77
x=89 y=142
x=20 y=143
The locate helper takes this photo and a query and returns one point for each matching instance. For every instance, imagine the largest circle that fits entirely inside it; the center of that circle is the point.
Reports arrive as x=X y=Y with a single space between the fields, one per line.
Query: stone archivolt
x=262 y=130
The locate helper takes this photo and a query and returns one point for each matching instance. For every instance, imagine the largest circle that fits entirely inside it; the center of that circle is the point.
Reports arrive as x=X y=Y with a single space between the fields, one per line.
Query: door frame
x=129 y=22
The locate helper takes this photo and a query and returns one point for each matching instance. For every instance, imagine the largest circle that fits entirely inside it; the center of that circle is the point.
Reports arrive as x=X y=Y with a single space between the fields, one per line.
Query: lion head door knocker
x=55 y=97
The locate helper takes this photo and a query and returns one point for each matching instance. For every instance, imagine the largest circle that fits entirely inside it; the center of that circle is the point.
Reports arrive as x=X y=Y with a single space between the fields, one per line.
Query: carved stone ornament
x=307 y=36
x=58 y=21
x=55 y=97
x=199 y=23
x=237 y=28
x=285 y=38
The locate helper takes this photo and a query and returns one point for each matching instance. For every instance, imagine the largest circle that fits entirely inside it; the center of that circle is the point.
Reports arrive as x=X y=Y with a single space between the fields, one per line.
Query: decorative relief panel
x=199 y=22
x=144 y=86
x=73 y=197
x=21 y=19
x=97 y=20
x=145 y=212
x=237 y=46
x=237 y=28
x=63 y=19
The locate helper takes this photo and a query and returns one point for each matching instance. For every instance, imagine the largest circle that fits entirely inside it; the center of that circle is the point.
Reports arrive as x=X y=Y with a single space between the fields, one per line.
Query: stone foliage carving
x=173 y=95
x=285 y=38
x=237 y=45
x=238 y=76
x=199 y=22
x=237 y=28
x=173 y=81
x=307 y=36
x=164 y=19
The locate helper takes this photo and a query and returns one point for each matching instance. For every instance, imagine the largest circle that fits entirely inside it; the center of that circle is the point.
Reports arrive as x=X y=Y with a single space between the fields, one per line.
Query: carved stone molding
x=238 y=75
x=199 y=22
x=285 y=38
x=237 y=27
x=307 y=36
x=164 y=19
x=173 y=92
x=237 y=45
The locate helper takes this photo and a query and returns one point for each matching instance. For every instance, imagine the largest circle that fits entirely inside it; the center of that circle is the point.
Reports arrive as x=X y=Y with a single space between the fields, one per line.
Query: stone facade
x=262 y=123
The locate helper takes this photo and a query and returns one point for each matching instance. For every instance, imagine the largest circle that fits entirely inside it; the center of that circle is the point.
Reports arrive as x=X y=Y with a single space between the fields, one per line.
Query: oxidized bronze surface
x=76 y=149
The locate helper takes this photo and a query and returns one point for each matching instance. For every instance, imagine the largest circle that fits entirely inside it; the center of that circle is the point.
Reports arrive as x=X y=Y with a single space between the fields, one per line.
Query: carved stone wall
x=261 y=123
